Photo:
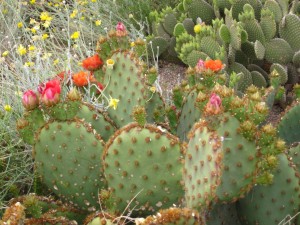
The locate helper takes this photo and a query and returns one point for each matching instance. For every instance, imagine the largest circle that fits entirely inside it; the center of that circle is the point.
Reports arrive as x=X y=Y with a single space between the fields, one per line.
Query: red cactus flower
x=100 y=87
x=214 y=65
x=30 y=100
x=51 y=92
x=82 y=78
x=92 y=63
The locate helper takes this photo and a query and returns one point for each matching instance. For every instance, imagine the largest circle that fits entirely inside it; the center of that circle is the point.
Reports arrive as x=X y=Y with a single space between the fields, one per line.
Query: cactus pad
x=68 y=158
x=143 y=165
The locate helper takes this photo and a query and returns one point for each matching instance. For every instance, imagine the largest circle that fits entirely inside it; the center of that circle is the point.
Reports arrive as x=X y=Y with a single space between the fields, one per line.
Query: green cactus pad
x=210 y=46
x=99 y=120
x=281 y=70
x=169 y=23
x=157 y=46
x=254 y=67
x=68 y=159
x=296 y=59
x=294 y=155
x=126 y=83
x=174 y=216
x=143 y=165
x=258 y=79
x=29 y=125
x=268 y=24
x=193 y=58
x=293 y=74
x=272 y=203
x=212 y=170
x=246 y=79
x=222 y=214
x=178 y=29
x=155 y=108
x=237 y=7
x=259 y=50
x=224 y=33
x=289 y=30
x=248 y=48
x=188 y=116
x=202 y=9
x=201 y=174
x=189 y=24
x=289 y=125
x=275 y=8
x=278 y=51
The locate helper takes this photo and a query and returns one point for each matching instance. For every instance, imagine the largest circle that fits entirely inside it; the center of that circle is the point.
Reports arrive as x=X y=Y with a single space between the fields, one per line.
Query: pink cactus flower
x=51 y=92
x=120 y=27
x=30 y=100
x=200 y=66
x=121 y=30
x=215 y=100
x=214 y=105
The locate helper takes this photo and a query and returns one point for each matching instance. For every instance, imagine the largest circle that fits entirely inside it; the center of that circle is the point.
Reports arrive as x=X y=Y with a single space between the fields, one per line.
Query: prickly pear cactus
x=271 y=204
x=143 y=167
x=126 y=83
x=289 y=125
x=68 y=159
x=211 y=172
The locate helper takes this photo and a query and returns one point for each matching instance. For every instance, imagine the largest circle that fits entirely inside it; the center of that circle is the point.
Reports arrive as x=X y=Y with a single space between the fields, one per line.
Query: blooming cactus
x=92 y=63
x=51 y=92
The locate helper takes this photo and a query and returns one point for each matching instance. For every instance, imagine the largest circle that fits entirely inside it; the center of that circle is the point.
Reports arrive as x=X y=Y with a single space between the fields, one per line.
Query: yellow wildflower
x=93 y=0
x=7 y=108
x=29 y=64
x=20 y=25
x=45 y=36
x=21 y=50
x=32 y=2
x=33 y=30
x=74 y=13
x=45 y=16
x=152 y=89
x=46 y=24
x=32 y=21
x=132 y=44
x=5 y=53
x=56 y=61
x=82 y=18
x=98 y=22
x=75 y=35
x=31 y=47
x=113 y=102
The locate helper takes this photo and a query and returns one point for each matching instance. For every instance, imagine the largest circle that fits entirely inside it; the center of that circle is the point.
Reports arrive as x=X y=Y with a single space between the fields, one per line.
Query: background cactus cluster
x=253 y=38
x=106 y=143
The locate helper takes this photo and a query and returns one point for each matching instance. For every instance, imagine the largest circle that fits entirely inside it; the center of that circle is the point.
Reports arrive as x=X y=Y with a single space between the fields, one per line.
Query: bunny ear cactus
x=143 y=166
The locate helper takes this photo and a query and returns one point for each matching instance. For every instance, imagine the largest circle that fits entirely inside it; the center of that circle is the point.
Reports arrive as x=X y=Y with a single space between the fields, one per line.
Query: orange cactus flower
x=214 y=65
x=82 y=78
x=92 y=63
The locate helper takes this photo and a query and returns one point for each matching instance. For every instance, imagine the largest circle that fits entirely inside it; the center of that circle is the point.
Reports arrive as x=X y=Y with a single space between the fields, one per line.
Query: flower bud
x=30 y=100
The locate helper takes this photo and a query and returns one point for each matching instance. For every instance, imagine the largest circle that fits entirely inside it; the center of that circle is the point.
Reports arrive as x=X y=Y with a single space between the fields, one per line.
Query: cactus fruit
x=74 y=172
x=143 y=166
x=272 y=203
